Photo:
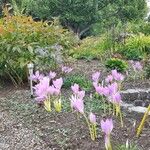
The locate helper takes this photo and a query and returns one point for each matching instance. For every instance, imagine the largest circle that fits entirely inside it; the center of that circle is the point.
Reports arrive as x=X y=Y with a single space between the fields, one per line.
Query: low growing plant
x=78 y=79
x=118 y=64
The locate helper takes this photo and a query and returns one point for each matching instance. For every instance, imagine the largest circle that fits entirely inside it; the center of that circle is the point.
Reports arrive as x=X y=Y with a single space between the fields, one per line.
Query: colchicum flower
x=95 y=77
x=37 y=76
x=93 y=130
x=107 y=127
x=58 y=83
x=75 y=88
x=52 y=75
x=109 y=79
x=77 y=104
x=66 y=69
x=46 y=93
x=92 y=118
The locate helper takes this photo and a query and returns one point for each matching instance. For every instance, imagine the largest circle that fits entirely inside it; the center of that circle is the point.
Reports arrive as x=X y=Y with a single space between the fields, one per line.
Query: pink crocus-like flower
x=95 y=84
x=37 y=76
x=80 y=94
x=107 y=127
x=99 y=89
x=52 y=75
x=77 y=104
x=58 y=83
x=92 y=118
x=41 y=89
x=66 y=69
x=109 y=79
x=116 y=98
x=106 y=91
x=113 y=88
x=137 y=66
x=96 y=76
x=75 y=88
x=114 y=72
x=117 y=76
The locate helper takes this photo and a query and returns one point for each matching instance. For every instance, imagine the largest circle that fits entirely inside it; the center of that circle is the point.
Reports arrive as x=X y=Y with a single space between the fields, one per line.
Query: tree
x=80 y=15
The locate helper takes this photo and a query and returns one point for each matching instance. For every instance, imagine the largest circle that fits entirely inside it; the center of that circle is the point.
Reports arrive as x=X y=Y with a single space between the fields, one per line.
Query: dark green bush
x=83 y=82
x=118 y=64
x=133 y=54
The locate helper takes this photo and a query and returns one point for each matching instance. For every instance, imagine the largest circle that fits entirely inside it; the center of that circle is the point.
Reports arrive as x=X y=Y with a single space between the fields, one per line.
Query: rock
x=138 y=109
x=138 y=103
x=130 y=95
x=147 y=102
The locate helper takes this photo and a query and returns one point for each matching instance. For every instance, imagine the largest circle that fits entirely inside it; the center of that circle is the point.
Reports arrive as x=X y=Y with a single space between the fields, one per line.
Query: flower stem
x=89 y=126
x=139 y=130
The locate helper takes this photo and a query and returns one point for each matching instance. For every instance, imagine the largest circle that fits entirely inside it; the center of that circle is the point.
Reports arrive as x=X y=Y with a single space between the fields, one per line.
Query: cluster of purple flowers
x=111 y=90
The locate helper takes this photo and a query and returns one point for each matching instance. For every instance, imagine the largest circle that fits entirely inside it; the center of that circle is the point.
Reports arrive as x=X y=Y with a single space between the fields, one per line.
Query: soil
x=26 y=126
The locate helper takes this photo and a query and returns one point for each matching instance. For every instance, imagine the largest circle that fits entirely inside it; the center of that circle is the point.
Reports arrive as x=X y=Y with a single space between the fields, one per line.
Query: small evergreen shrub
x=118 y=64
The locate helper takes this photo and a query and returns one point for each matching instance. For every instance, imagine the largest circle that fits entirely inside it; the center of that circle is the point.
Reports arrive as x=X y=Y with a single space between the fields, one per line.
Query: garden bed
x=27 y=126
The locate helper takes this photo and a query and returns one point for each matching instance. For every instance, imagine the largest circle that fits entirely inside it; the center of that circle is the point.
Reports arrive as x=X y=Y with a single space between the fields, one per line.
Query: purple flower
x=116 y=98
x=99 y=89
x=95 y=84
x=96 y=76
x=81 y=94
x=117 y=76
x=137 y=66
x=113 y=88
x=58 y=83
x=107 y=126
x=77 y=104
x=52 y=75
x=106 y=91
x=92 y=118
x=109 y=79
x=114 y=72
x=75 y=88
x=51 y=90
x=41 y=89
x=66 y=69
x=37 y=76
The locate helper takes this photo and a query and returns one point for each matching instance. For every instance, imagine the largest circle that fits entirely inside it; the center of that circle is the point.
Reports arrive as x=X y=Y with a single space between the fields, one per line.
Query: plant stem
x=89 y=126
x=139 y=130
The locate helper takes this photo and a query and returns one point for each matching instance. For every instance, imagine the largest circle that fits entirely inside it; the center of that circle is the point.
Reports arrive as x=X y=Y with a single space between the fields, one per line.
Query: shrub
x=83 y=82
x=92 y=48
x=118 y=64
x=21 y=37
x=136 y=47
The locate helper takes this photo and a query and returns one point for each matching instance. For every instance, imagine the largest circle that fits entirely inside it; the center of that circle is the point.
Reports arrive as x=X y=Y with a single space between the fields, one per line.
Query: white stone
x=138 y=109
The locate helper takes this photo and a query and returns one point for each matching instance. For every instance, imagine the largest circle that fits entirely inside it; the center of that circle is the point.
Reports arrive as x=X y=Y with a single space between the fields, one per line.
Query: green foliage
x=136 y=47
x=80 y=15
x=118 y=64
x=123 y=147
x=83 y=82
x=92 y=48
x=20 y=37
